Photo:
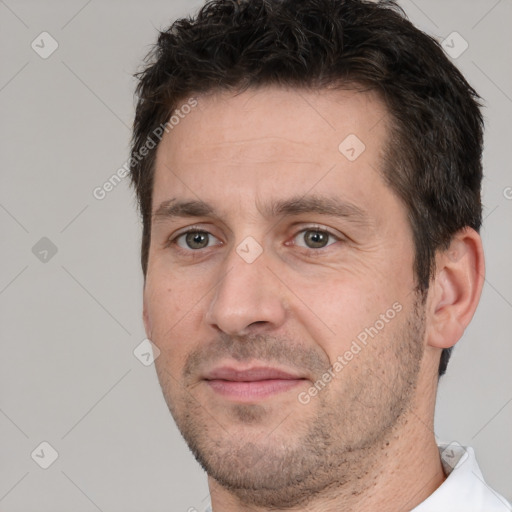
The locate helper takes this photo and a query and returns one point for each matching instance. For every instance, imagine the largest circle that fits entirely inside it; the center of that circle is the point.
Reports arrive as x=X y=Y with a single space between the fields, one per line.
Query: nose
x=249 y=299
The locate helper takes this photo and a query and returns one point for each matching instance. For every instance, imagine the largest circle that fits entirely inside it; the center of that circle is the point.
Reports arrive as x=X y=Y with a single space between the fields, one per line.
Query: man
x=308 y=174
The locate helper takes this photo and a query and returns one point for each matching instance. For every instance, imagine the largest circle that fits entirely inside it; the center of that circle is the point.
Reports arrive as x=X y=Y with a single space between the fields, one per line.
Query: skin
x=298 y=308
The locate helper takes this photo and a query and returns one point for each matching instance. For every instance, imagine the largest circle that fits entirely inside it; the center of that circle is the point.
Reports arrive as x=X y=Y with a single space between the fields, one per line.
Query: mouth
x=251 y=384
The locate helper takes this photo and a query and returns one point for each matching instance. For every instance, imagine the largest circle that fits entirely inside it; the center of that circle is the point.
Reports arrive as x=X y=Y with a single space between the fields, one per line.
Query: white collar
x=464 y=489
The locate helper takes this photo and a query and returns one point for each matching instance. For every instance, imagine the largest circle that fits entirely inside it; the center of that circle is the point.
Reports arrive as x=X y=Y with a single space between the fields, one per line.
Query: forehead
x=273 y=141
x=293 y=115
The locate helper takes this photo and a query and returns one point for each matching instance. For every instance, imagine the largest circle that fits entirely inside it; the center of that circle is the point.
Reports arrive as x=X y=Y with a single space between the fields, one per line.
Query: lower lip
x=254 y=390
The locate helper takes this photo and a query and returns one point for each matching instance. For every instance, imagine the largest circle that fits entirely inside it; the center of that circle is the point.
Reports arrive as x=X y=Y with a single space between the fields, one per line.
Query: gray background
x=70 y=321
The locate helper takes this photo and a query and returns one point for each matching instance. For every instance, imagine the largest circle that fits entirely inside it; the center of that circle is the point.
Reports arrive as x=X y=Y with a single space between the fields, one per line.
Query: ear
x=455 y=289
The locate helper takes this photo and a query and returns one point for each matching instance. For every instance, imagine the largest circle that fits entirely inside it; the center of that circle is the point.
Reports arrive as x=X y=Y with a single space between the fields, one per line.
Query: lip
x=250 y=384
x=252 y=374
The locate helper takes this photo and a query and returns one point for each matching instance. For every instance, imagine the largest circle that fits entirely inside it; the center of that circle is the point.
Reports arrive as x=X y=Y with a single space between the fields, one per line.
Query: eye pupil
x=197 y=240
x=316 y=239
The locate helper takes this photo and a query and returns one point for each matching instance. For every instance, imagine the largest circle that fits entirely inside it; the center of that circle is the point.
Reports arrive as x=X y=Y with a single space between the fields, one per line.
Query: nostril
x=259 y=322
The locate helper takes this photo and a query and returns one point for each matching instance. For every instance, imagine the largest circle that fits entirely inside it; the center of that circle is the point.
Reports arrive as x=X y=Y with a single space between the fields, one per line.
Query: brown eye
x=195 y=240
x=314 y=239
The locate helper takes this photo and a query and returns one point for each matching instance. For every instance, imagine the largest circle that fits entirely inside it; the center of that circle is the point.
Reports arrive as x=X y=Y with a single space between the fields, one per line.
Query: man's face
x=298 y=257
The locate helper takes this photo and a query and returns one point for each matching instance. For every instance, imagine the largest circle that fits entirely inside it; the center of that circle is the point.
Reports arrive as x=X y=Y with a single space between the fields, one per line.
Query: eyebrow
x=321 y=205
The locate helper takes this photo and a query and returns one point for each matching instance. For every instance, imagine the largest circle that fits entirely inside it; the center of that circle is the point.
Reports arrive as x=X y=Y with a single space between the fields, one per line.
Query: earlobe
x=455 y=289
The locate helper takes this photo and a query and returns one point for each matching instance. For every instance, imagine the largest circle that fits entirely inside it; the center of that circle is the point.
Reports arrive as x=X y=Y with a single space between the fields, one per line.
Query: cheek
x=175 y=305
x=169 y=307
x=339 y=310
x=170 y=295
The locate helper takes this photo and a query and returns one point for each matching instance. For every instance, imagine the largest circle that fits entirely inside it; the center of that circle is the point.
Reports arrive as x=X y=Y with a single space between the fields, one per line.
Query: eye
x=195 y=240
x=314 y=238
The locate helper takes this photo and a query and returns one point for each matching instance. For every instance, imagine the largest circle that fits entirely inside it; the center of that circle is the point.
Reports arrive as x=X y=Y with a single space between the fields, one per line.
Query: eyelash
x=197 y=229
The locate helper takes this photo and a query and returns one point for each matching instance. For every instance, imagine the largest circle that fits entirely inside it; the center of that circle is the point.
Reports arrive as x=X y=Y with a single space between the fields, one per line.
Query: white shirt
x=464 y=489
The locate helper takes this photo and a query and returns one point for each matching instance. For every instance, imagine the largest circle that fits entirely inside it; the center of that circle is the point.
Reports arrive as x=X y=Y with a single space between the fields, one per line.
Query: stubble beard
x=307 y=455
